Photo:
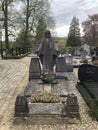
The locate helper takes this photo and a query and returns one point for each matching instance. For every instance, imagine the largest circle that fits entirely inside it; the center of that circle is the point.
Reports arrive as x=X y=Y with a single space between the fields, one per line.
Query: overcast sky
x=64 y=10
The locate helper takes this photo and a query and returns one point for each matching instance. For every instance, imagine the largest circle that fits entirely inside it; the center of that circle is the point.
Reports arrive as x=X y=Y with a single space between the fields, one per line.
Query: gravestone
x=88 y=80
x=96 y=51
x=76 y=51
x=83 y=54
x=69 y=64
x=95 y=54
x=61 y=68
x=86 y=48
x=88 y=73
x=88 y=87
x=35 y=69
x=94 y=58
x=47 y=106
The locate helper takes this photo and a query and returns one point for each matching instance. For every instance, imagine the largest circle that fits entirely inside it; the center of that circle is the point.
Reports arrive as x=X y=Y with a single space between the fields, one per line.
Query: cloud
x=64 y=10
x=62 y=31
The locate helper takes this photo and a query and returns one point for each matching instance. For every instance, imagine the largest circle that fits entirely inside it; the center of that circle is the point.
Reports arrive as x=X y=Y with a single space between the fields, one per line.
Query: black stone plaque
x=35 y=69
x=88 y=73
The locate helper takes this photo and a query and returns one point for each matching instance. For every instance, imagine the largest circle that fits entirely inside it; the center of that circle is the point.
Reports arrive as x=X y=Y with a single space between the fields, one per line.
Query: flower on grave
x=45 y=98
x=95 y=62
x=47 y=76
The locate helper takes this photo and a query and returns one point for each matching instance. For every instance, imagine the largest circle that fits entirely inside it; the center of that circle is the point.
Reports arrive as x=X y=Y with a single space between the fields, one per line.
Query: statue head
x=47 y=34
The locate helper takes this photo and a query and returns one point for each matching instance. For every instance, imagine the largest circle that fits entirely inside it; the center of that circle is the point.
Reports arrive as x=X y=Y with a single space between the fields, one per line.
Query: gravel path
x=13 y=79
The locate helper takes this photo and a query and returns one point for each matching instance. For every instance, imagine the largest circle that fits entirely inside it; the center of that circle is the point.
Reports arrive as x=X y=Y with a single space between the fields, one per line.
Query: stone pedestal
x=21 y=106
x=35 y=69
x=44 y=108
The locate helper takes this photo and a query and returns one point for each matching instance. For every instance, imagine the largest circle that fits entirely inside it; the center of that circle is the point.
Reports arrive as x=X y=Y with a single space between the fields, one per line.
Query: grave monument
x=88 y=87
x=50 y=102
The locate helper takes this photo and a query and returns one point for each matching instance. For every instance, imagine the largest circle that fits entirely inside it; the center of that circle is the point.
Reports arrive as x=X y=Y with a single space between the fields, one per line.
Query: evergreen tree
x=74 y=33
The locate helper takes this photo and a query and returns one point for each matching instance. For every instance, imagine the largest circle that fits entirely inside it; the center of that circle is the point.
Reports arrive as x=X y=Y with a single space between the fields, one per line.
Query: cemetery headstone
x=96 y=50
x=88 y=73
x=83 y=54
x=76 y=51
x=95 y=54
x=61 y=68
x=88 y=87
x=69 y=64
x=88 y=80
x=42 y=99
x=87 y=49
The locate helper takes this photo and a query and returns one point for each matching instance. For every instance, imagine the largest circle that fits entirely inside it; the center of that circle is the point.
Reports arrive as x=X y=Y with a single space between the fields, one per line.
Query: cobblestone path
x=11 y=74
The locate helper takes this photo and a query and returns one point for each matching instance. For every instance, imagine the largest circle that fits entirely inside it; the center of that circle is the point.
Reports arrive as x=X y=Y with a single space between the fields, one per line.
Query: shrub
x=15 y=56
x=47 y=76
x=93 y=107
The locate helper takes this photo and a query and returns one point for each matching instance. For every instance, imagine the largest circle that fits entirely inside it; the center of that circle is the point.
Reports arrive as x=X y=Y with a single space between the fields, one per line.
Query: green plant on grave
x=47 y=76
x=93 y=107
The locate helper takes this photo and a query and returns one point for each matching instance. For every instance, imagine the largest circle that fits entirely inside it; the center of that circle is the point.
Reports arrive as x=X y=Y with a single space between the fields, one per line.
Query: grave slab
x=36 y=86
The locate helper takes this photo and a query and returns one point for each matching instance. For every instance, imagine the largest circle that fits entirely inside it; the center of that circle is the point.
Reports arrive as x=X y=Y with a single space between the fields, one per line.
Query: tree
x=20 y=40
x=74 y=33
x=90 y=28
x=40 y=29
x=26 y=18
x=35 y=10
x=35 y=14
x=5 y=4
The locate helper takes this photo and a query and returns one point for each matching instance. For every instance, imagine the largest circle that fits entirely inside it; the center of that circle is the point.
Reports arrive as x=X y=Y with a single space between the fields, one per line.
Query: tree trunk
x=27 y=20
x=6 y=24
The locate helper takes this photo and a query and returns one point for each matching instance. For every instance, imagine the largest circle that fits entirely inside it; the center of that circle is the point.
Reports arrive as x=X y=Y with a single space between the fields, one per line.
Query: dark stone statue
x=47 y=51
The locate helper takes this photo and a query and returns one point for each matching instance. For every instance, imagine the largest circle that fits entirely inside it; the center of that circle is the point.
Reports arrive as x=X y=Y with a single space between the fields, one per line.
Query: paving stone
x=10 y=77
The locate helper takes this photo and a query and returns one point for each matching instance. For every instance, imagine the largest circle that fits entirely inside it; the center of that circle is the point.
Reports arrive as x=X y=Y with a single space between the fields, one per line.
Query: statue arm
x=39 y=49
